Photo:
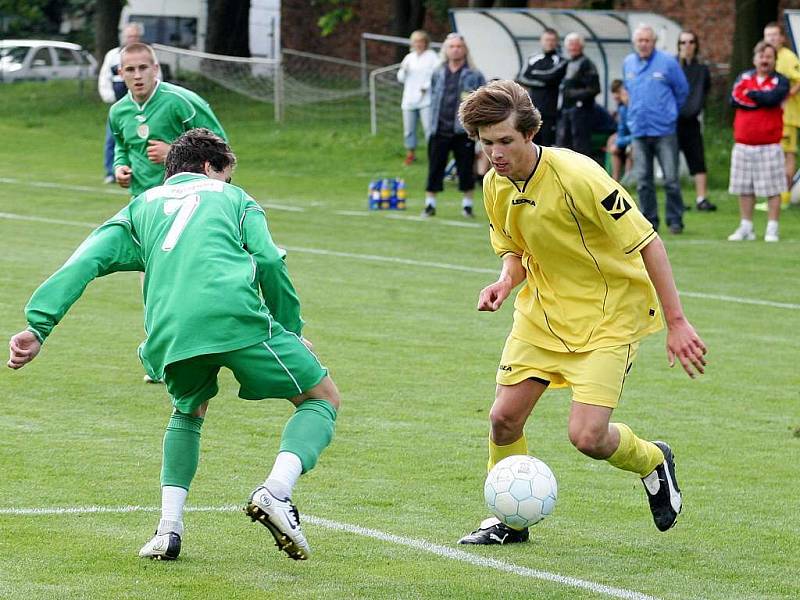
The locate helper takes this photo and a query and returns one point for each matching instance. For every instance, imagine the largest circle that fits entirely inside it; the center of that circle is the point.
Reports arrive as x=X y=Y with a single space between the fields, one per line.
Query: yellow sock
x=498 y=453
x=635 y=454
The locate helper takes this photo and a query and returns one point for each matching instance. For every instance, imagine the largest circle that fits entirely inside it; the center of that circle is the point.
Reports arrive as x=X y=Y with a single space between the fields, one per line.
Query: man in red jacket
x=757 y=158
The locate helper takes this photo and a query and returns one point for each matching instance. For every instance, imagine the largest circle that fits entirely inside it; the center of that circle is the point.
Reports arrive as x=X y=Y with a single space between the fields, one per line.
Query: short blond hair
x=496 y=102
x=138 y=47
x=420 y=34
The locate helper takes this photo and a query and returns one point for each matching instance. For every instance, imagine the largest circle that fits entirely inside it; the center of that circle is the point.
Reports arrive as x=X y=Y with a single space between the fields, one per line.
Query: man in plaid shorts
x=757 y=163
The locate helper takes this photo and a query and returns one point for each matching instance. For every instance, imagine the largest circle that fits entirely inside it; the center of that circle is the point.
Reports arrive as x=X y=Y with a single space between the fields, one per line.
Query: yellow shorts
x=789 y=139
x=596 y=377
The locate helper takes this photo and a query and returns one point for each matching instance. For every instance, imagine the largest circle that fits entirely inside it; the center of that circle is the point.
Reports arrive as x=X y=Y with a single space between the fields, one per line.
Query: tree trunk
x=106 y=26
x=228 y=29
x=409 y=16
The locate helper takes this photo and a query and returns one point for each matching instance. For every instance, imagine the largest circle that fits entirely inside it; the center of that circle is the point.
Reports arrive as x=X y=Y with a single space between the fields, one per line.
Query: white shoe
x=742 y=234
x=148 y=379
x=771 y=236
x=282 y=520
x=166 y=546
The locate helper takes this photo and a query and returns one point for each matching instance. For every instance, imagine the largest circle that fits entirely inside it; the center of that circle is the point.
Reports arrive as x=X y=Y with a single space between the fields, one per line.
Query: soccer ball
x=520 y=491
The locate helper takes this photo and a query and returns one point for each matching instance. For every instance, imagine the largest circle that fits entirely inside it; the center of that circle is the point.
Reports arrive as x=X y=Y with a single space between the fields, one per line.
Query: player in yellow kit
x=788 y=65
x=593 y=272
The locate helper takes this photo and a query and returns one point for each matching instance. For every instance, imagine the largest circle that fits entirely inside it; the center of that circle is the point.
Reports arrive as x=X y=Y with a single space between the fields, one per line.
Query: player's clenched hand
x=123 y=175
x=684 y=344
x=157 y=151
x=23 y=348
x=493 y=296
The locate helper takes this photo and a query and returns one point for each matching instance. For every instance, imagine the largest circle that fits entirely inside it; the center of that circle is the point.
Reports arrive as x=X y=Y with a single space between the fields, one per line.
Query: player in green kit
x=149 y=117
x=206 y=251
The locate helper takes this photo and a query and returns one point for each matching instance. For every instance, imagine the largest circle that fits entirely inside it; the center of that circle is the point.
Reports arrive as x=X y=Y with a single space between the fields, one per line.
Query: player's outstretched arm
x=683 y=342
x=109 y=249
x=492 y=297
x=22 y=349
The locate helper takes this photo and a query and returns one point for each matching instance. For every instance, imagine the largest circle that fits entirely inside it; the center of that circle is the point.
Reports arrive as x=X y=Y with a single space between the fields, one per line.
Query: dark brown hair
x=617 y=85
x=696 y=43
x=762 y=45
x=496 y=102
x=190 y=152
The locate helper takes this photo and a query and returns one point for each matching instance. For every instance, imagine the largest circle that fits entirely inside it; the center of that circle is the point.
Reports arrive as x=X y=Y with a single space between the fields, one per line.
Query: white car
x=44 y=59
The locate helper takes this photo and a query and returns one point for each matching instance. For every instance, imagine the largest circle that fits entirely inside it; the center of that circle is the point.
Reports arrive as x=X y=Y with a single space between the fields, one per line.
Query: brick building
x=713 y=20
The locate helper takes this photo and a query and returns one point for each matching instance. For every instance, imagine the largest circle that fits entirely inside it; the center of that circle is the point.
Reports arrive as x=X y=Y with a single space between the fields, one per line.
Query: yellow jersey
x=788 y=65
x=578 y=234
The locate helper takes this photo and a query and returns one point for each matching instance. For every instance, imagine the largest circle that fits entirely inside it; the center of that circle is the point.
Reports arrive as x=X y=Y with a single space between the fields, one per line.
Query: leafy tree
x=228 y=30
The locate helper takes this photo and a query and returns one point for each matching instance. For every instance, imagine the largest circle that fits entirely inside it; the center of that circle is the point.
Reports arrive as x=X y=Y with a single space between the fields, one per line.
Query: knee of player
x=505 y=425
x=330 y=393
x=587 y=441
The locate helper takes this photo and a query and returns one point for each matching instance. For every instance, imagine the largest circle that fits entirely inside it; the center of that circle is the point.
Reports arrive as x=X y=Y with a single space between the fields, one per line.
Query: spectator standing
x=757 y=159
x=111 y=88
x=451 y=82
x=657 y=88
x=787 y=65
x=619 y=143
x=415 y=74
x=690 y=133
x=542 y=76
x=578 y=88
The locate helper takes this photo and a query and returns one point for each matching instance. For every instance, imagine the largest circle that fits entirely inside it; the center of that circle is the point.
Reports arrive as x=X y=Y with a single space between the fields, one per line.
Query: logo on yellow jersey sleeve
x=616 y=205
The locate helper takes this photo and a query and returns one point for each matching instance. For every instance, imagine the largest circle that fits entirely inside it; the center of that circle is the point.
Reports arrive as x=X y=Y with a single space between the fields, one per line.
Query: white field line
x=416 y=544
x=434 y=265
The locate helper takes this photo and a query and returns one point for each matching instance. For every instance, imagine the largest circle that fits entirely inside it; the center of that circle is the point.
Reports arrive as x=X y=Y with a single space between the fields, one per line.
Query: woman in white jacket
x=415 y=73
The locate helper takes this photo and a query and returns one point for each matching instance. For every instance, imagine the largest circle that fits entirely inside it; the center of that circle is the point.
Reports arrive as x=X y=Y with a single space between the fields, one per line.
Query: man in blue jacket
x=450 y=84
x=657 y=88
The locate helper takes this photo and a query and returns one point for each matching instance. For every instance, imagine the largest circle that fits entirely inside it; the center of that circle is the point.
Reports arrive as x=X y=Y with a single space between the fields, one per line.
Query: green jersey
x=205 y=249
x=165 y=115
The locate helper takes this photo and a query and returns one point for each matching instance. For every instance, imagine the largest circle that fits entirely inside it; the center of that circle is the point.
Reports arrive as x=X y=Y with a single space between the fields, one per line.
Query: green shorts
x=280 y=367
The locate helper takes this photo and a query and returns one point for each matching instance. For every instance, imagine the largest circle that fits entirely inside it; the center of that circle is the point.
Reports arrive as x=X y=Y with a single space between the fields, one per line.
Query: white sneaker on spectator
x=771 y=235
x=742 y=234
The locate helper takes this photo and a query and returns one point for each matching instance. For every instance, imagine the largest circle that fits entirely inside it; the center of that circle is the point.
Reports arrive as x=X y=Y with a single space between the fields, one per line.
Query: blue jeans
x=410 y=117
x=665 y=149
x=108 y=155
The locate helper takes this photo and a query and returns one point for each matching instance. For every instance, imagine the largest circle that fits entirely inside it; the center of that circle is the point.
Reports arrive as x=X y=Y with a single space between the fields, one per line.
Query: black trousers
x=547 y=134
x=575 y=129
x=439 y=148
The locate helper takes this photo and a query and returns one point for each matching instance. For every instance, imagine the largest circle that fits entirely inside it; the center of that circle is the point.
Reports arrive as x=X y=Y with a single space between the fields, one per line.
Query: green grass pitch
x=390 y=304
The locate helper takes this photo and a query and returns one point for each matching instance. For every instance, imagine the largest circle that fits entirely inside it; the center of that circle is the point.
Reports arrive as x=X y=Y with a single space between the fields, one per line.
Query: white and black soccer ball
x=520 y=491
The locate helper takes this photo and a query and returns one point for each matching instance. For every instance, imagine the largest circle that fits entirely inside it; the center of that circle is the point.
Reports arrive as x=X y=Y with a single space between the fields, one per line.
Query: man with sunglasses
x=217 y=294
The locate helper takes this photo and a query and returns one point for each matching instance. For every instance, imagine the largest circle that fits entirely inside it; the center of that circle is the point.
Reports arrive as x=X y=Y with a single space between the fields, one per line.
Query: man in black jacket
x=542 y=75
x=578 y=89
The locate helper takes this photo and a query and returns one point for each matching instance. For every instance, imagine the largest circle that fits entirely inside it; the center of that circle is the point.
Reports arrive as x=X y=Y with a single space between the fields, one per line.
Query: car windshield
x=13 y=54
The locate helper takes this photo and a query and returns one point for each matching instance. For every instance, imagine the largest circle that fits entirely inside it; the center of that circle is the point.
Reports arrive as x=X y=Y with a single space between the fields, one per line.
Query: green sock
x=309 y=431
x=181 y=450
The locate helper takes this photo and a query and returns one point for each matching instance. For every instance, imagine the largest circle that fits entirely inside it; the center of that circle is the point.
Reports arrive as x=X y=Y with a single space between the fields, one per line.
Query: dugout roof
x=500 y=40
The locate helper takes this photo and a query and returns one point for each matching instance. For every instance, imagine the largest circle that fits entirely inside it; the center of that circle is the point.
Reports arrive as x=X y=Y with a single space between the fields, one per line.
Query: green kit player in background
x=205 y=250
x=149 y=118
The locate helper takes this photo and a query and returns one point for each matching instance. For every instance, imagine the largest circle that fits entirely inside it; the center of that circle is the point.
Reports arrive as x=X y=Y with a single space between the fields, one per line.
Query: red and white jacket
x=759 y=116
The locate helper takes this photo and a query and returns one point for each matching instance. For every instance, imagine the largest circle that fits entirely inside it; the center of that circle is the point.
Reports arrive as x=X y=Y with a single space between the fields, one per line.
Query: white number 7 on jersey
x=185 y=208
